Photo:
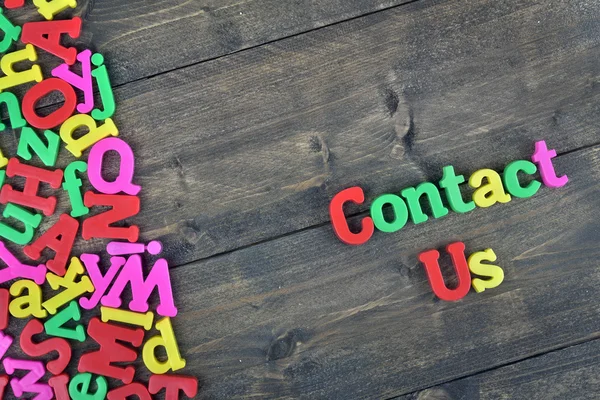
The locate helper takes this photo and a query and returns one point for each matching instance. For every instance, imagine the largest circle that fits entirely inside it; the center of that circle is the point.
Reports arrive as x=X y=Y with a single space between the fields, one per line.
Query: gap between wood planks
x=574 y=343
x=370 y=108
x=243 y=49
x=268 y=42
x=328 y=222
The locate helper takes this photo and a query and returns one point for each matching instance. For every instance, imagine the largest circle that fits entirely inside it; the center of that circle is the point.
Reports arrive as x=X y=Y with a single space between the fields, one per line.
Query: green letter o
x=400 y=213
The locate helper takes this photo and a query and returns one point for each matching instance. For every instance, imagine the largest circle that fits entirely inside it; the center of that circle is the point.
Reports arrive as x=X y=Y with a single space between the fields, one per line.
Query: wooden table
x=248 y=116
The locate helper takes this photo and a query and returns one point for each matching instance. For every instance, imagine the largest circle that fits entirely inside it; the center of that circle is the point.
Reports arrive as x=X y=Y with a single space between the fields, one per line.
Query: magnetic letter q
x=123 y=181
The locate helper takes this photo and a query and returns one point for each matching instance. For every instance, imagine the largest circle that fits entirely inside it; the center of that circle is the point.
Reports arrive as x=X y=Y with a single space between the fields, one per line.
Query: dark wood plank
x=281 y=128
x=254 y=145
x=570 y=373
x=306 y=316
x=143 y=39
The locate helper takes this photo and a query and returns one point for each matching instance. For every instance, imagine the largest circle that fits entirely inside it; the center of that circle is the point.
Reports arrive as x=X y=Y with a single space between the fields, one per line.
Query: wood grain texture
x=254 y=145
x=247 y=150
x=305 y=316
x=308 y=317
x=141 y=39
x=144 y=39
x=568 y=373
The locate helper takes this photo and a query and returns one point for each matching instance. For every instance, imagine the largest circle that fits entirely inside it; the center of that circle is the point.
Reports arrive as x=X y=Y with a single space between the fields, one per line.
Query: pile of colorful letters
x=75 y=282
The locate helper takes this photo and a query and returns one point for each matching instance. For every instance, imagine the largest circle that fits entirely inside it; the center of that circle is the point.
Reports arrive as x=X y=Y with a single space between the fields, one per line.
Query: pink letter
x=99 y=281
x=17 y=270
x=5 y=342
x=543 y=157
x=123 y=181
x=29 y=382
x=83 y=83
x=141 y=290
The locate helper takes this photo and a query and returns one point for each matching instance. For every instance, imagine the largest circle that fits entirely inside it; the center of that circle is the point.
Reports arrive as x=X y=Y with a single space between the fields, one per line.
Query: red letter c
x=338 y=219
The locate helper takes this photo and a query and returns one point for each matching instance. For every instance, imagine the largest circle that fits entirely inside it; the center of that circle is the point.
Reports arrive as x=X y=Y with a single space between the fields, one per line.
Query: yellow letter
x=128 y=317
x=72 y=289
x=478 y=268
x=3 y=161
x=95 y=133
x=167 y=340
x=14 y=78
x=50 y=8
x=26 y=306
x=491 y=193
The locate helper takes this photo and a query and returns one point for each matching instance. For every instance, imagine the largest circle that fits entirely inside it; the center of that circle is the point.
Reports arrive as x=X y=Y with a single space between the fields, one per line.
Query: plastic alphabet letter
x=413 y=196
x=54 y=326
x=44 y=347
x=122 y=248
x=30 y=222
x=72 y=290
x=29 y=383
x=436 y=280
x=338 y=219
x=14 y=111
x=128 y=317
x=10 y=31
x=4 y=380
x=100 y=282
x=59 y=386
x=95 y=132
x=14 y=4
x=5 y=343
x=511 y=180
x=83 y=82
x=172 y=385
x=400 y=213
x=72 y=184
x=141 y=289
x=34 y=176
x=99 y=362
x=80 y=384
x=167 y=340
x=14 y=78
x=106 y=93
x=133 y=389
x=491 y=193
x=30 y=140
x=450 y=183
x=46 y=35
x=18 y=270
x=59 y=238
x=477 y=267
x=123 y=181
x=42 y=89
x=4 y=300
x=98 y=226
x=49 y=8
x=543 y=158
x=29 y=305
